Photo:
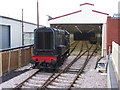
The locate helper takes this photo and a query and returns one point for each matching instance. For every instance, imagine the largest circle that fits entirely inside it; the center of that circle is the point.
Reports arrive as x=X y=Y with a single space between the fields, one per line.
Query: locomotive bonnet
x=51 y=47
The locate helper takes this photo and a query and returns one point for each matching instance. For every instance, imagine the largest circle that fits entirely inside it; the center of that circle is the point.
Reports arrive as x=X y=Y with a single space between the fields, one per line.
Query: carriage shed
x=86 y=19
x=11 y=32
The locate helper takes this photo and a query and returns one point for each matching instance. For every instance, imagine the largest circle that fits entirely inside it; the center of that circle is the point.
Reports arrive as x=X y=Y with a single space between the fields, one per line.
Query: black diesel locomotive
x=51 y=47
x=84 y=36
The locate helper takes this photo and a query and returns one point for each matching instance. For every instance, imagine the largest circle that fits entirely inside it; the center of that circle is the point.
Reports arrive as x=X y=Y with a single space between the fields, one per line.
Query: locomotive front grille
x=44 y=40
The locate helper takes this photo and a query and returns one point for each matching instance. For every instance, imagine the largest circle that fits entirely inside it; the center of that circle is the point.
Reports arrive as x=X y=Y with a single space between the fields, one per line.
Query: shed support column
x=104 y=39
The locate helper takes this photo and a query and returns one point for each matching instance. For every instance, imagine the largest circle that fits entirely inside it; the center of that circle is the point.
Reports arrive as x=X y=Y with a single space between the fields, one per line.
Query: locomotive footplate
x=44 y=62
x=48 y=59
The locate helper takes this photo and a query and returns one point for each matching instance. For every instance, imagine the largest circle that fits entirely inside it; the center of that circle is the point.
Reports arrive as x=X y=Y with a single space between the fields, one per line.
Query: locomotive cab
x=43 y=40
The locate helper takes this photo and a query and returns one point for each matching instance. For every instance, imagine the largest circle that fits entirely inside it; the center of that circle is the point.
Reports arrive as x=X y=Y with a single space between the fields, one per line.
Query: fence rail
x=8 y=49
x=13 y=58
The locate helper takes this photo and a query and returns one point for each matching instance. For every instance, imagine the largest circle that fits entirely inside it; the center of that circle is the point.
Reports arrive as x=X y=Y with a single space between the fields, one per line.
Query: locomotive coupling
x=54 y=61
x=32 y=61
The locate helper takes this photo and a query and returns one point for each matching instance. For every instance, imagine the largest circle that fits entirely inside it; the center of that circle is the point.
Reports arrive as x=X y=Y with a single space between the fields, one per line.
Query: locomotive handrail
x=44 y=49
x=21 y=47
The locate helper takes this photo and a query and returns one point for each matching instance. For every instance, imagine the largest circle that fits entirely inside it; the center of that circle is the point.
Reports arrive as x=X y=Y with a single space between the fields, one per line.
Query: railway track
x=71 y=77
x=73 y=45
x=65 y=78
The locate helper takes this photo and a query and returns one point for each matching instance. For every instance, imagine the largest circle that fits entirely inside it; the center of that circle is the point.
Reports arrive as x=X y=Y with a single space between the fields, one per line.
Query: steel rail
x=73 y=43
x=19 y=85
x=83 y=66
x=72 y=49
x=54 y=72
x=50 y=79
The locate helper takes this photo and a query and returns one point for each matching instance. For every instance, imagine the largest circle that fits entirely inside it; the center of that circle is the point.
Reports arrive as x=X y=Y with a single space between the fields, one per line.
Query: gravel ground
x=18 y=79
x=91 y=78
x=75 y=65
x=15 y=73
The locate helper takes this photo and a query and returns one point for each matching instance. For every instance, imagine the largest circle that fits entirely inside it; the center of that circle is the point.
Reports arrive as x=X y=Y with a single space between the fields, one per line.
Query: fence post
x=0 y=64
x=19 y=58
x=31 y=51
x=109 y=50
x=9 y=59
x=24 y=56
x=108 y=59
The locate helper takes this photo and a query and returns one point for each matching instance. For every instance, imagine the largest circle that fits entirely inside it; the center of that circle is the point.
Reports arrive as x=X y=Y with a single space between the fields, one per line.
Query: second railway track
x=66 y=77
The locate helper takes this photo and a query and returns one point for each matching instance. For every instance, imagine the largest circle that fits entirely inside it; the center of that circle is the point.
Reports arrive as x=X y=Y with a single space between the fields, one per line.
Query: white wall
x=104 y=39
x=84 y=17
x=81 y=17
x=116 y=57
x=29 y=27
x=0 y=37
x=0 y=65
x=16 y=30
x=0 y=20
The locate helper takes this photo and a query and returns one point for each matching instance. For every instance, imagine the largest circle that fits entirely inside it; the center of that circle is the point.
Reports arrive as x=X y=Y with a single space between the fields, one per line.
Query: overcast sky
x=13 y=8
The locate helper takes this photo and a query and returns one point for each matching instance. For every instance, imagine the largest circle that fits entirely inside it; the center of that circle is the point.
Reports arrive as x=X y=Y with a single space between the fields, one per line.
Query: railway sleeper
x=39 y=78
x=61 y=84
x=76 y=86
x=42 y=76
x=65 y=78
x=52 y=86
x=25 y=87
x=66 y=74
x=36 y=81
x=32 y=85
x=63 y=81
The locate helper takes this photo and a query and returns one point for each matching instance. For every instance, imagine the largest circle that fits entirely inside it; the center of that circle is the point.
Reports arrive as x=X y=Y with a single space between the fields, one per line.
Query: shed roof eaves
x=65 y=15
